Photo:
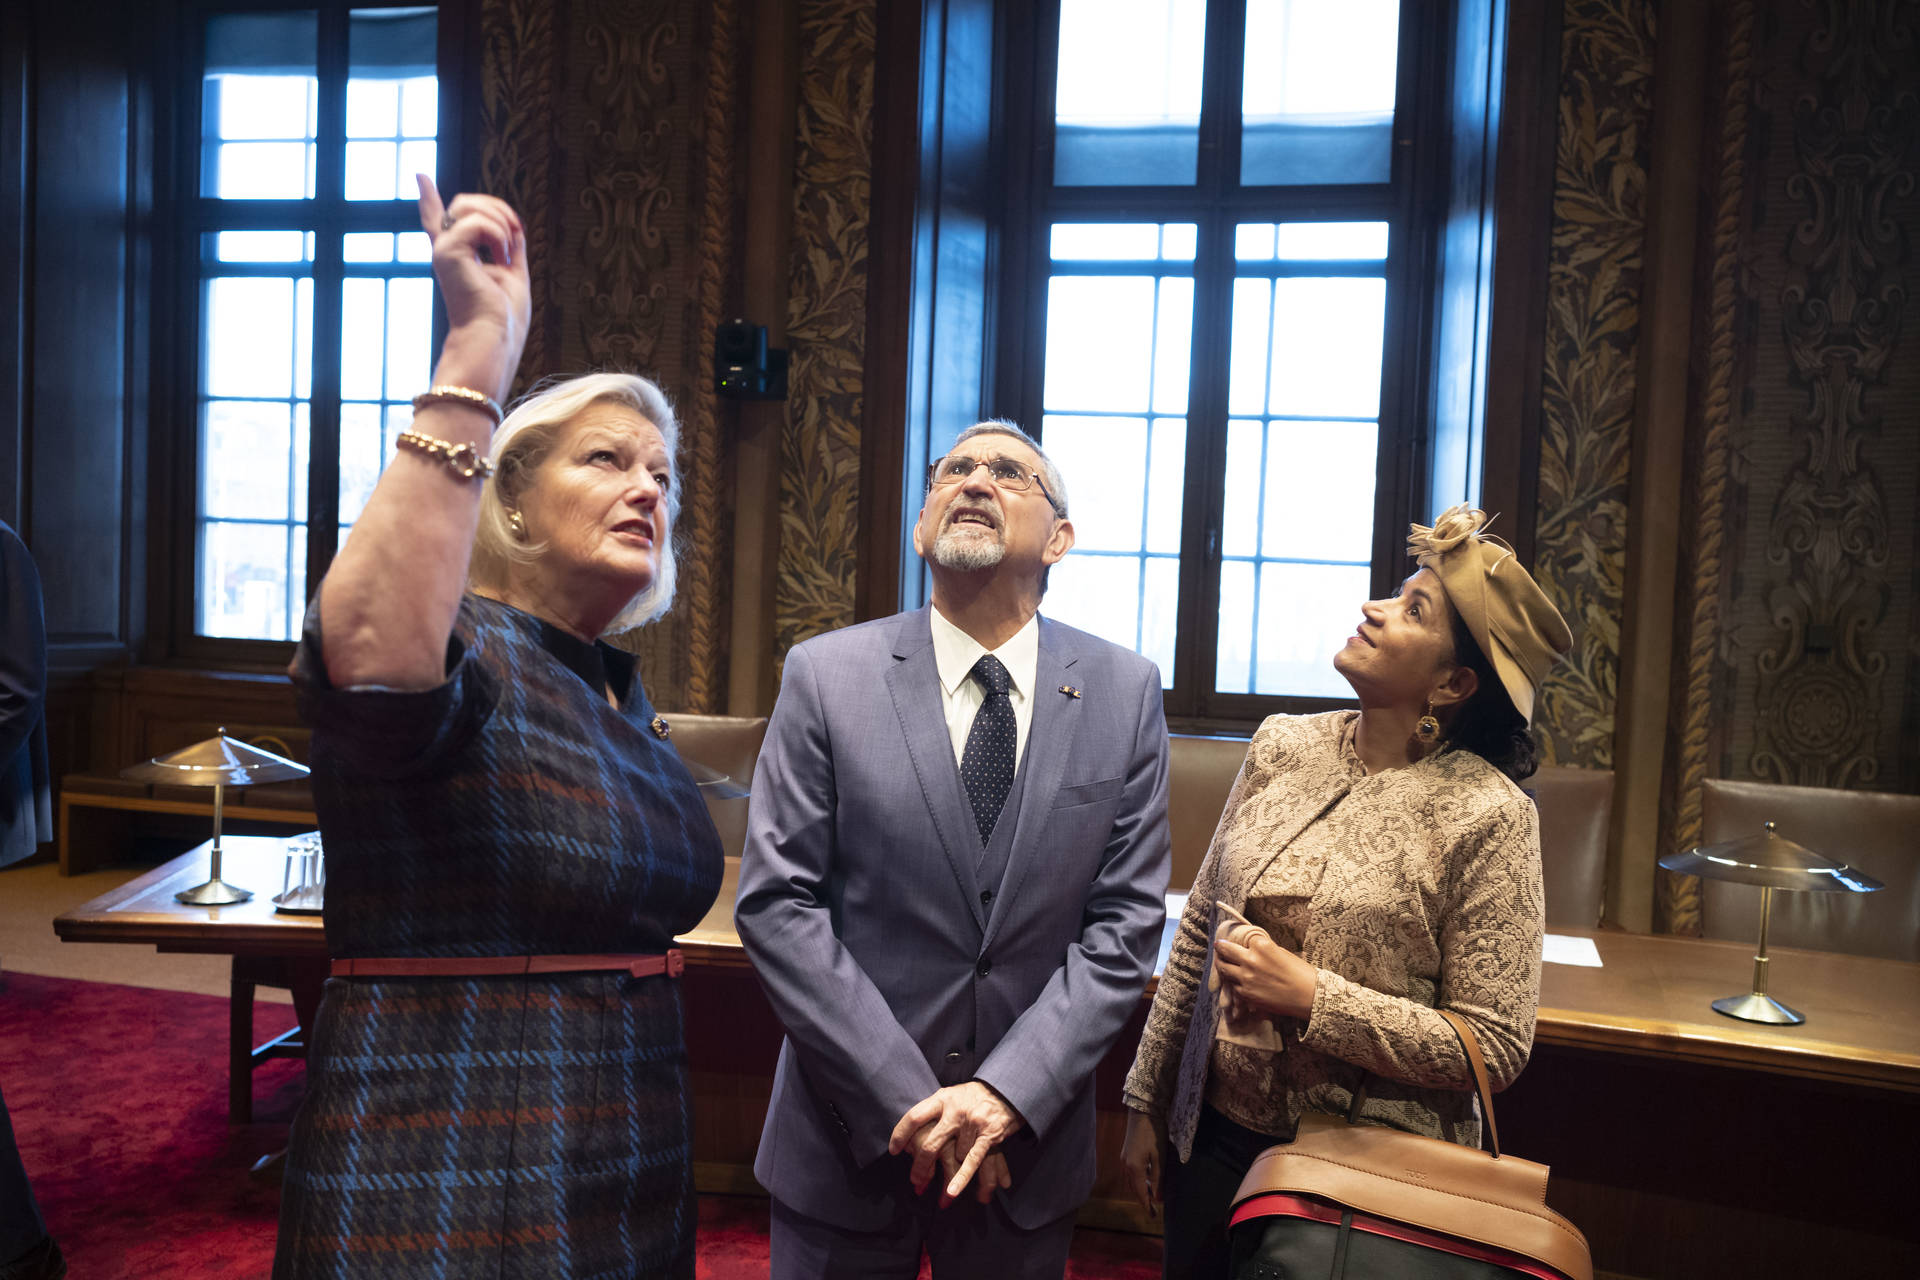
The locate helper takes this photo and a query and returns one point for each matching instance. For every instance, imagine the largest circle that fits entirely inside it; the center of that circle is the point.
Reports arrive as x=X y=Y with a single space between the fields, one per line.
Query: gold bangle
x=461 y=459
x=447 y=393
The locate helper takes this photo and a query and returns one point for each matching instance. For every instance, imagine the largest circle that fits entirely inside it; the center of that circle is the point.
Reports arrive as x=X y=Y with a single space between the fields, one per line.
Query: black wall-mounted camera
x=743 y=368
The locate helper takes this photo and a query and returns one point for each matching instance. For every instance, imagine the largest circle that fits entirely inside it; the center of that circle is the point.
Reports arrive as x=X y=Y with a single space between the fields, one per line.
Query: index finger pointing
x=432 y=210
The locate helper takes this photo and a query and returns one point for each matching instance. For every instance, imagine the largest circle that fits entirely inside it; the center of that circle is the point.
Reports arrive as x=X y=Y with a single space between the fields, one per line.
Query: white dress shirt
x=955 y=652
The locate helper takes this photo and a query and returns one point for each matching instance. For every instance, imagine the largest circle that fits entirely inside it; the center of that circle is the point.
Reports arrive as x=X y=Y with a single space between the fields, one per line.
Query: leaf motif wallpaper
x=826 y=321
x=1593 y=325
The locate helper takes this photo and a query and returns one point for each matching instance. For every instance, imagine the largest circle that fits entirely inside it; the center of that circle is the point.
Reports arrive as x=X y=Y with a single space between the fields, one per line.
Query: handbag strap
x=1475 y=1063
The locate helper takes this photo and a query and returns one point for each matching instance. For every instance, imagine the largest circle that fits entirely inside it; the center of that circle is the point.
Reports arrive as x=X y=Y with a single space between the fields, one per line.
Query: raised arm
x=387 y=606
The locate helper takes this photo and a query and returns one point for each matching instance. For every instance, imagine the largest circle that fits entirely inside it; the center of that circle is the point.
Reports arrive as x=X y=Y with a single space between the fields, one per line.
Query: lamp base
x=1754 y=1007
x=214 y=893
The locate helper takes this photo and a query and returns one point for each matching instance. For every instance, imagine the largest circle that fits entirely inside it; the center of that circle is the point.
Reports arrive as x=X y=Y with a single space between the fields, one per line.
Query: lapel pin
x=1069 y=690
x=661 y=729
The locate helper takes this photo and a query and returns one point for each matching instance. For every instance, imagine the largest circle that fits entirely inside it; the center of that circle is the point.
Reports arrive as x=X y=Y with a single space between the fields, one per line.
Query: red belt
x=671 y=964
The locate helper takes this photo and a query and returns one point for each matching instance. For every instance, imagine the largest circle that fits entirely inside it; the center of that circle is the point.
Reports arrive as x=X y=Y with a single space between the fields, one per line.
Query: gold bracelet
x=447 y=393
x=461 y=459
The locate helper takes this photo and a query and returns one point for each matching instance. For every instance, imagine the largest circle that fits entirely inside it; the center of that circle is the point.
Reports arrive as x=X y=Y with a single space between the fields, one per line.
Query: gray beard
x=967 y=553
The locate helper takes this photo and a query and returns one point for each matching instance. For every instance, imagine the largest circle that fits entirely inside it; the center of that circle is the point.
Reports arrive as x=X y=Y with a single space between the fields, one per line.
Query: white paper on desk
x=1560 y=948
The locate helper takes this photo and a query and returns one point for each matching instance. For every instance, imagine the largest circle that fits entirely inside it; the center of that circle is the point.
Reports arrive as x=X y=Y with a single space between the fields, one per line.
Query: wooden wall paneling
x=1657 y=448
x=1523 y=220
x=768 y=105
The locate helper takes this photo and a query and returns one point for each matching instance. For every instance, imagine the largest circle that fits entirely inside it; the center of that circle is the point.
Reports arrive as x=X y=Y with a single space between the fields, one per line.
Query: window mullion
x=1197 y=645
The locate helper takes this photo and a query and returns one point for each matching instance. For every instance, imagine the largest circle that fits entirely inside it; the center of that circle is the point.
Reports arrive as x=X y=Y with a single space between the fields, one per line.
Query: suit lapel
x=1056 y=718
x=913 y=681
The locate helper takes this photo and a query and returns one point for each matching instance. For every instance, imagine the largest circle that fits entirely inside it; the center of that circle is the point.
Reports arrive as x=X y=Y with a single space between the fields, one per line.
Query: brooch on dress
x=1069 y=690
x=661 y=729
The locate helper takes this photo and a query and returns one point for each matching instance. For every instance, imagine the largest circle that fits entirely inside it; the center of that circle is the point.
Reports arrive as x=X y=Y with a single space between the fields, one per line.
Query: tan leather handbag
x=1347 y=1201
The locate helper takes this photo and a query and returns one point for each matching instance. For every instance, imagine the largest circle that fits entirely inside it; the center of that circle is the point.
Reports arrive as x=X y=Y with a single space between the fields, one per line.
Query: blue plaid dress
x=498 y=1127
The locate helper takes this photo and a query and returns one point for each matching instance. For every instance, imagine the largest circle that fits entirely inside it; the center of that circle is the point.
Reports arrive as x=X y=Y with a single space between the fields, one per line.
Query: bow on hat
x=1510 y=618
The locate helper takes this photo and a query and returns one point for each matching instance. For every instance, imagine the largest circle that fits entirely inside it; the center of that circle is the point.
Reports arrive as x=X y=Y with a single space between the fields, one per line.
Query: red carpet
x=119 y=1100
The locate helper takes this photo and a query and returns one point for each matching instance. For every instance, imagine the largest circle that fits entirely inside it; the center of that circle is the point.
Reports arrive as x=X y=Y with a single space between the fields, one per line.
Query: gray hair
x=521 y=444
x=1055 y=482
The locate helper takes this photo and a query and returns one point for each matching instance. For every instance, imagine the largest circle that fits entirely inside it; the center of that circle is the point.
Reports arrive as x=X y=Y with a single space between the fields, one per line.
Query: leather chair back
x=730 y=744
x=1872 y=830
x=1575 y=807
x=1203 y=770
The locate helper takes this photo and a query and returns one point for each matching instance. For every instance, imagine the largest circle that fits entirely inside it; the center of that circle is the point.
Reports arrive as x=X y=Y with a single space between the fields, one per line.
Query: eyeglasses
x=1016 y=477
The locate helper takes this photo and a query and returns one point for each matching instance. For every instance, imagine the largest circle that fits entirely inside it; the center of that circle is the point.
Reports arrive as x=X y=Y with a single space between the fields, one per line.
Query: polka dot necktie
x=986 y=767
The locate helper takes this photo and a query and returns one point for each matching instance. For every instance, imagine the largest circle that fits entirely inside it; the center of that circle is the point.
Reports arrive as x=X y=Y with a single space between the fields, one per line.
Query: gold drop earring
x=1427 y=729
x=517 y=525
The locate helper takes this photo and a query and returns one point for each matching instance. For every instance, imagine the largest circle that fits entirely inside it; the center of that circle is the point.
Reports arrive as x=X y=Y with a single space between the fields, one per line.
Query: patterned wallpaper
x=608 y=124
x=826 y=321
x=1819 y=654
x=1593 y=323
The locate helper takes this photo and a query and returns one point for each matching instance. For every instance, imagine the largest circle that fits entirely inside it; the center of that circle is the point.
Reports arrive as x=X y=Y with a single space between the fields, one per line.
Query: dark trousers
x=1199 y=1193
x=967 y=1240
x=21 y=1228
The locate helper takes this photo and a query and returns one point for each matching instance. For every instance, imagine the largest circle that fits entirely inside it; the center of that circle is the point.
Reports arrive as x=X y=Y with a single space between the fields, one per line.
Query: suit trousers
x=965 y=1241
x=21 y=1227
x=1200 y=1192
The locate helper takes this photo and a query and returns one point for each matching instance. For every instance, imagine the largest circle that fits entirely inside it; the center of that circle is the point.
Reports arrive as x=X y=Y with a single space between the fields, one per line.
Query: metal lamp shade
x=1772 y=861
x=219 y=762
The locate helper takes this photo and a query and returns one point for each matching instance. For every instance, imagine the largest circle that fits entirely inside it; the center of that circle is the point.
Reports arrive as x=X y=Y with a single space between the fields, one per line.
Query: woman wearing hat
x=1370 y=867
x=497 y=1078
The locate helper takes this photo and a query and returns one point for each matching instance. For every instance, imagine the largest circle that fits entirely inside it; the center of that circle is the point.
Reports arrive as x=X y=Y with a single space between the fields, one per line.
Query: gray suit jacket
x=894 y=971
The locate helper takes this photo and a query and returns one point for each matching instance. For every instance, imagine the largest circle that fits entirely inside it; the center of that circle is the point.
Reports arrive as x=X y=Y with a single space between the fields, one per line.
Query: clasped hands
x=960 y=1128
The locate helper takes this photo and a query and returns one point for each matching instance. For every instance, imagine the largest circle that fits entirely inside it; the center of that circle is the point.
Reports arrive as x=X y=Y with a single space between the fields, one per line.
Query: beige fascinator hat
x=1511 y=619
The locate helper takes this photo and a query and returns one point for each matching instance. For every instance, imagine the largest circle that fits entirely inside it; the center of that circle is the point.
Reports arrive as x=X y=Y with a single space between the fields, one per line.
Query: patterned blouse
x=1408 y=889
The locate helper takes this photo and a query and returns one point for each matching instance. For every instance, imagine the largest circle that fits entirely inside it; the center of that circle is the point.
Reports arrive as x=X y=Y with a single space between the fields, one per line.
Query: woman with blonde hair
x=496 y=1081
x=1370 y=868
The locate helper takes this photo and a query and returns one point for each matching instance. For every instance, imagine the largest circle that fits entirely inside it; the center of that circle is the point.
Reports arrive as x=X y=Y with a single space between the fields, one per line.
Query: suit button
x=986 y=897
x=984 y=968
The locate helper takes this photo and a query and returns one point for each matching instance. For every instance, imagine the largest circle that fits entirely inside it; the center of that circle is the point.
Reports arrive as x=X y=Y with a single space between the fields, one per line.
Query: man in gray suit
x=953 y=891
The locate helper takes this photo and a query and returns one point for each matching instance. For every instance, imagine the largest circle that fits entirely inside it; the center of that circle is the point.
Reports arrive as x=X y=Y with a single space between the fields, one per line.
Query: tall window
x=1222 y=228
x=314 y=302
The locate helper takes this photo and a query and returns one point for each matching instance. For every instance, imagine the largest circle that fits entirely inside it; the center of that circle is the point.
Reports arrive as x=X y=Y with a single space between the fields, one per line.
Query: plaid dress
x=498 y=1128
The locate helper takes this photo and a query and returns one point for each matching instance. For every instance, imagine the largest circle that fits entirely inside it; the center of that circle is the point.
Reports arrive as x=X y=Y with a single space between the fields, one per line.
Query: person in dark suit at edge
x=952 y=890
x=27 y=1252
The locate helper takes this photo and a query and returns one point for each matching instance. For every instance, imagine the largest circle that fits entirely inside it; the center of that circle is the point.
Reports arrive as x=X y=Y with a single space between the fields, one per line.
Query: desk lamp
x=1771 y=861
x=219 y=762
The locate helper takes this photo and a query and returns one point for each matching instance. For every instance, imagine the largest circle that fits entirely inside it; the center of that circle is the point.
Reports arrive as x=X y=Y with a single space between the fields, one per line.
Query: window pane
x=1173 y=345
x=245 y=580
x=363 y=337
x=420 y=107
x=303 y=337
x=409 y=335
x=1319 y=491
x=1097 y=593
x=1106 y=241
x=1327 y=339
x=367 y=246
x=1306 y=613
x=373 y=108
x=360 y=457
x=264 y=107
x=1233 y=658
x=263 y=171
x=302 y=437
x=1318 y=94
x=416 y=157
x=1159 y=613
x=1166 y=484
x=415 y=247
x=1099 y=342
x=1240 y=516
x=1310 y=241
x=371 y=170
x=247 y=460
x=1105 y=460
x=1247 y=359
x=262 y=246
x=1178 y=241
x=250 y=337
x=1253 y=242
x=1127 y=105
